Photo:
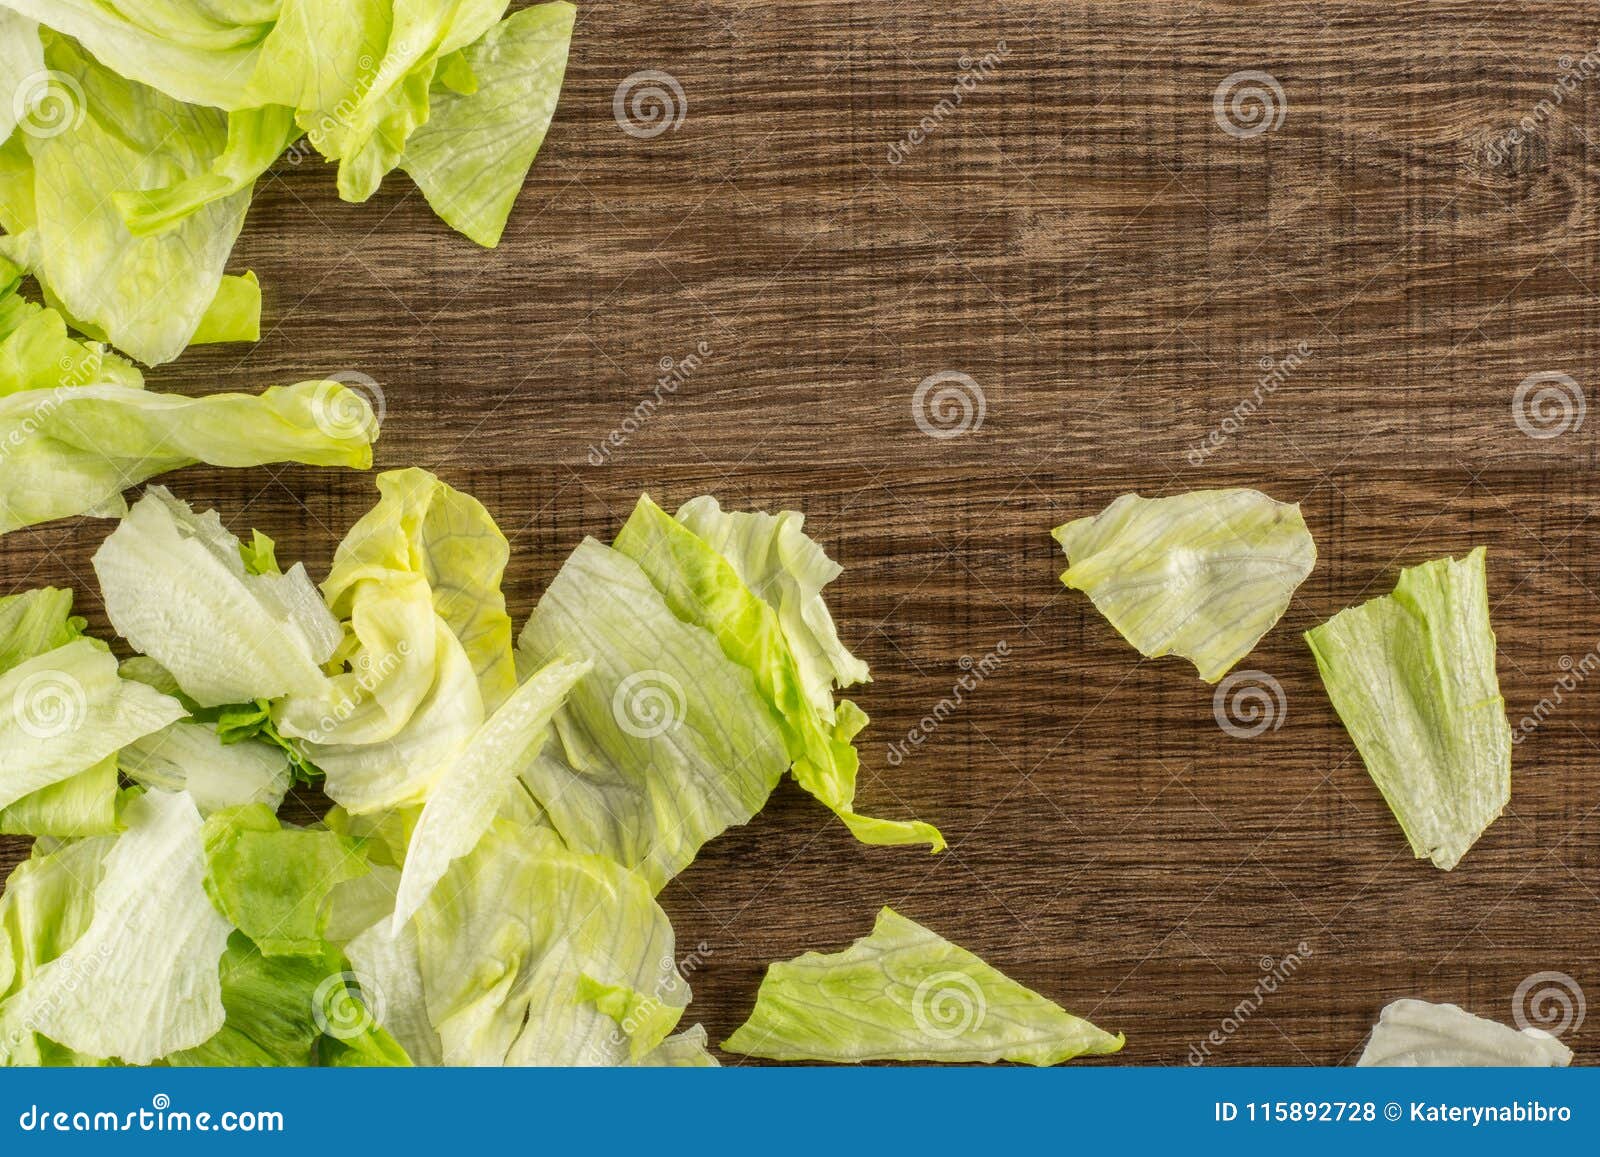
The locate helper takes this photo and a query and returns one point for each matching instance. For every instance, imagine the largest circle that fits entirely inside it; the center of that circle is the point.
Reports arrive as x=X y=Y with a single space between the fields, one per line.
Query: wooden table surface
x=1115 y=269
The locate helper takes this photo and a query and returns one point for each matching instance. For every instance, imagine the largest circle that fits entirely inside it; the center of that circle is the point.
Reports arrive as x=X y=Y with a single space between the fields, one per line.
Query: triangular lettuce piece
x=274 y=883
x=470 y=791
x=1417 y=1034
x=473 y=154
x=147 y=294
x=189 y=756
x=782 y=635
x=177 y=589
x=1412 y=677
x=73 y=450
x=907 y=994
x=47 y=904
x=689 y=1049
x=34 y=622
x=666 y=743
x=66 y=711
x=1202 y=575
x=142 y=981
x=505 y=940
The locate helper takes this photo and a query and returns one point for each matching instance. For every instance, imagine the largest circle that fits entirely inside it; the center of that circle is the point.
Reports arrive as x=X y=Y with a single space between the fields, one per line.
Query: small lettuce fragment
x=34 y=622
x=189 y=756
x=463 y=803
x=1203 y=575
x=666 y=743
x=37 y=352
x=907 y=994
x=783 y=635
x=472 y=155
x=1412 y=677
x=141 y=981
x=74 y=449
x=177 y=589
x=689 y=1049
x=505 y=941
x=274 y=883
x=65 y=712
x=1418 y=1034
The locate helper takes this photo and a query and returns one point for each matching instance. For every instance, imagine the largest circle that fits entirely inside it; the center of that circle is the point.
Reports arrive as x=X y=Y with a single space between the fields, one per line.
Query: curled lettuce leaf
x=65 y=712
x=1415 y=1033
x=1202 y=575
x=176 y=587
x=1412 y=676
x=469 y=793
x=473 y=154
x=905 y=993
x=72 y=450
x=141 y=981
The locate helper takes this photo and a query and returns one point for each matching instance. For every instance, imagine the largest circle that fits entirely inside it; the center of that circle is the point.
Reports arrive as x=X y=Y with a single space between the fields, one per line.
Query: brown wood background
x=1083 y=239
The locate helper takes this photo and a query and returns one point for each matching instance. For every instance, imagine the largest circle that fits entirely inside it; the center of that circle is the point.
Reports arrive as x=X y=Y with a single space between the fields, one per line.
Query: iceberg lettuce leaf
x=905 y=993
x=1203 y=575
x=189 y=756
x=1415 y=1033
x=1412 y=677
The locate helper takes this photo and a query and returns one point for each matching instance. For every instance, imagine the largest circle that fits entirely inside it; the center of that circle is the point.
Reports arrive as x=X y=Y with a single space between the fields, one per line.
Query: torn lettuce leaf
x=505 y=939
x=666 y=743
x=275 y=883
x=141 y=981
x=705 y=587
x=1412 y=677
x=1203 y=575
x=472 y=156
x=34 y=622
x=905 y=993
x=46 y=906
x=1416 y=1033
x=189 y=756
x=176 y=588
x=66 y=711
x=37 y=352
x=689 y=1049
x=471 y=790
x=73 y=450
x=145 y=294
x=389 y=960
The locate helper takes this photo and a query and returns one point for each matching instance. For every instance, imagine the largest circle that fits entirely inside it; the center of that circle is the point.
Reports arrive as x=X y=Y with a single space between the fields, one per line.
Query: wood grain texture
x=1082 y=238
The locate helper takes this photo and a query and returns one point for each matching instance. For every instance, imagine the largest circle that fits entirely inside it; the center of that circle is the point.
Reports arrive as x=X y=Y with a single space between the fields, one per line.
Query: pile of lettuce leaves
x=502 y=807
x=132 y=135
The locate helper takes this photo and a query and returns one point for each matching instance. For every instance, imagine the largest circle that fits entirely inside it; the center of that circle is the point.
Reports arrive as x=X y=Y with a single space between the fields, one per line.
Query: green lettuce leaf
x=470 y=791
x=666 y=743
x=274 y=883
x=473 y=154
x=34 y=622
x=1415 y=1033
x=66 y=711
x=905 y=993
x=784 y=636
x=1412 y=677
x=1203 y=575
x=37 y=352
x=505 y=940
x=176 y=587
x=141 y=981
x=73 y=450
x=145 y=294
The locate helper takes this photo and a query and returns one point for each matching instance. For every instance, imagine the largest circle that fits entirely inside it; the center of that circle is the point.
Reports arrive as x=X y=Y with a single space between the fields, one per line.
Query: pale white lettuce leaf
x=1416 y=1033
x=188 y=756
